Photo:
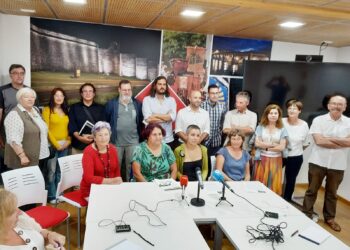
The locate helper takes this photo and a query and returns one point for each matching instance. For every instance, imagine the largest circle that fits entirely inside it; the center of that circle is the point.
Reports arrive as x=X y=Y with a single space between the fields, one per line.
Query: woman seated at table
x=18 y=231
x=232 y=160
x=100 y=160
x=192 y=155
x=153 y=159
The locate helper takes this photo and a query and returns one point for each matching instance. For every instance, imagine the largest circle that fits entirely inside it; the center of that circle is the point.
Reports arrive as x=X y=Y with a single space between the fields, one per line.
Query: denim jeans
x=54 y=173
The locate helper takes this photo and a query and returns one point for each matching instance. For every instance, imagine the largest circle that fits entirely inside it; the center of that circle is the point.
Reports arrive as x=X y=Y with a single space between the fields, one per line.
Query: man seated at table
x=153 y=159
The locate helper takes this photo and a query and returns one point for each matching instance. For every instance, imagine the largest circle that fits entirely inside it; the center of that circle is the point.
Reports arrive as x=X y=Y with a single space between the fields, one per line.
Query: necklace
x=106 y=167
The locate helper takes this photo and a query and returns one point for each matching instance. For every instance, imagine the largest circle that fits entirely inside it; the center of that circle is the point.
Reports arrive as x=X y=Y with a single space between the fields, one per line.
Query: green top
x=154 y=167
x=180 y=160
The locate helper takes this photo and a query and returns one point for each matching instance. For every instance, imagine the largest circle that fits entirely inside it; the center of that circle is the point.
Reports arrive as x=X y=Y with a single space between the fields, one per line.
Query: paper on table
x=166 y=183
x=314 y=234
x=124 y=244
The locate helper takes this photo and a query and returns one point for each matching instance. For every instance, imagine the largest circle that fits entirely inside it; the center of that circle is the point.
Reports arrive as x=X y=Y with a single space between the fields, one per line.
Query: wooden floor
x=343 y=218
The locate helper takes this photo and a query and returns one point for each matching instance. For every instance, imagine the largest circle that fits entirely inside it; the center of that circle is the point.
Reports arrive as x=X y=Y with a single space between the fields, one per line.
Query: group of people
x=134 y=141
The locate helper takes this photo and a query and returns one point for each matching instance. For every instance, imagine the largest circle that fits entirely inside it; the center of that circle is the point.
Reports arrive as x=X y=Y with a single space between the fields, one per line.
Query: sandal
x=334 y=225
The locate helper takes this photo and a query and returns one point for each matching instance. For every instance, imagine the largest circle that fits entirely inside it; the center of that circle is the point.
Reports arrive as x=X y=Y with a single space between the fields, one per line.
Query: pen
x=143 y=238
x=294 y=233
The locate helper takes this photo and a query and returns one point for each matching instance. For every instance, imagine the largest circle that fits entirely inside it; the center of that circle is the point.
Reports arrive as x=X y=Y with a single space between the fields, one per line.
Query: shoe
x=54 y=202
x=334 y=225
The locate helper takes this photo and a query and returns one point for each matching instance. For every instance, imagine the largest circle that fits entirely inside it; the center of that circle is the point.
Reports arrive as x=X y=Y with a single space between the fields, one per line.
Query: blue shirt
x=233 y=168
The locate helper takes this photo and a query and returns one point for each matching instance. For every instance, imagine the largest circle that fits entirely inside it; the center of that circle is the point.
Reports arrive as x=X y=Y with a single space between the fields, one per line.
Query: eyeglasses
x=337 y=104
x=18 y=73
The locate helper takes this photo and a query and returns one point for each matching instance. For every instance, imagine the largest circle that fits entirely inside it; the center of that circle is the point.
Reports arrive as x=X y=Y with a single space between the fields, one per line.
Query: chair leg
x=68 y=233
x=79 y=227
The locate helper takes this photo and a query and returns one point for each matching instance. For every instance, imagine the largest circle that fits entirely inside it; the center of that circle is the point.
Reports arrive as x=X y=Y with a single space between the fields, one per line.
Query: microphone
x=183 y=184
x=218 y=176
x=199 y=177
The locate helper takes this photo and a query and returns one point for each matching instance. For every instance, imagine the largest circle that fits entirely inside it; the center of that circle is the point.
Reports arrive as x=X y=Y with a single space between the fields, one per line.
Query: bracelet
x=20 y=153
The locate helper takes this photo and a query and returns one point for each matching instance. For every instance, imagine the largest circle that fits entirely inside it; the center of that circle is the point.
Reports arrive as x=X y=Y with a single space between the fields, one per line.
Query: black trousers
x=293 y=165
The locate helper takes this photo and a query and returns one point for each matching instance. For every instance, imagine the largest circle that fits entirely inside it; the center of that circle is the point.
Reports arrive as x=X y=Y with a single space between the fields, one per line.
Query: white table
x=110 y=202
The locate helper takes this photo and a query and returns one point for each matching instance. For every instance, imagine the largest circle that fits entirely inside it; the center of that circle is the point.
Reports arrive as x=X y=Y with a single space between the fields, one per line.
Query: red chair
x=71 y=175
x=29 y=186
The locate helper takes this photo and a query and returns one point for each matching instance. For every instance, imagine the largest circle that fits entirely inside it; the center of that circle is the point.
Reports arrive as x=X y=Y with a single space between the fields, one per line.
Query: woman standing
x=270 y=142
x=192 y=155
x=100 y=160
x=153 y=159
x=297 y=139
x=56 y=117
x=26 y=134
x=232 y=160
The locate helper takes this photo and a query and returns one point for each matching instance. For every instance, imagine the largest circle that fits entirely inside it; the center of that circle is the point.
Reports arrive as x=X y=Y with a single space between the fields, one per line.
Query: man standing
x=329 y=156
x=217 y=113
x=124 y=114
x=193 y=114
x=241 y=118
x=160 y=108
x=8 y=101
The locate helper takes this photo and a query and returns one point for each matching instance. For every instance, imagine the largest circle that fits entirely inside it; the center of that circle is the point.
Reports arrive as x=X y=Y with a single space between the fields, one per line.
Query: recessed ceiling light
x=75 y=1
x=291 y=24
x=192 y=13
x=27 y=10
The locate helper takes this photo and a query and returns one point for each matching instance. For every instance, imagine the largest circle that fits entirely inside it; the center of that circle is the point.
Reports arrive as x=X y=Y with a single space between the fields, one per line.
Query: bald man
x=193 y=114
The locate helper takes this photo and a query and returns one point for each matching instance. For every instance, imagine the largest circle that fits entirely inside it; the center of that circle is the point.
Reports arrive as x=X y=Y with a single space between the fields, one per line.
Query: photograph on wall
x=229 y=54
x=184 y=62
x=68 y=54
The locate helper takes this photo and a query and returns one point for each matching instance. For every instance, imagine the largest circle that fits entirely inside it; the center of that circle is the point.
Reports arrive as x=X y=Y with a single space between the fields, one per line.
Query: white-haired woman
x=26 y=133
x=100 y=160
x=19 y=231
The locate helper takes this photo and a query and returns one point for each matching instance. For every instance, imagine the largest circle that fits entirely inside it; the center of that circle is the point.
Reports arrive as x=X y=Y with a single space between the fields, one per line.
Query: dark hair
x=264 y=119
x=64 y=105
x=123 y=81
x=192 y=126
x=154 y=83
x=337 y=94
x=294 y=102
x=16 y=66
x=87 y=84
x=150 y=127
x=233 y=134
x=213 y=86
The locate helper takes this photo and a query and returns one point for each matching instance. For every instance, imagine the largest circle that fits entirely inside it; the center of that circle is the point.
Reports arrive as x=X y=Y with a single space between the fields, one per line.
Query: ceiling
x=325 y=20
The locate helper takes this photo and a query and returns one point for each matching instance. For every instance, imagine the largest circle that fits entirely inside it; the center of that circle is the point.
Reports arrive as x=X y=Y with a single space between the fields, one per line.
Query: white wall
x=14 y=45
x=283 y=51
x=343 y=55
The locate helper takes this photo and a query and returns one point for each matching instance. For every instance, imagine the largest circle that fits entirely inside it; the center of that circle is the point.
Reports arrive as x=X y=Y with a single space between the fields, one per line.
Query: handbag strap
x=87 y=112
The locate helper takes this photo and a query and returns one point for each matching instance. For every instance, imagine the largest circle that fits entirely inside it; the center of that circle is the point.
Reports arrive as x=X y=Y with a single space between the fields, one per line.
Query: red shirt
x=94 y=167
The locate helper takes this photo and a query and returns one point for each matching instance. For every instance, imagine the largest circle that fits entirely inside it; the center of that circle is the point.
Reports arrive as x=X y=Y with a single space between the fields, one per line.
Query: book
x=86 y=128
x=315 y=234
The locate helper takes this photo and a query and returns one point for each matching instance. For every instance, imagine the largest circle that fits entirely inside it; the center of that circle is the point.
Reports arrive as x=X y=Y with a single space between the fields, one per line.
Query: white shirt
x=327 y=127
x=187 y=116
x=152 y=105
x=297 y=137
x=29 y=231
x=14 y=129
x=245 y=119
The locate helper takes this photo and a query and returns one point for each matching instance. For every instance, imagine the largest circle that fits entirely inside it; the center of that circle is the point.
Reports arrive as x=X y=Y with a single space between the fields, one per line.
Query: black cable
x=264 y=231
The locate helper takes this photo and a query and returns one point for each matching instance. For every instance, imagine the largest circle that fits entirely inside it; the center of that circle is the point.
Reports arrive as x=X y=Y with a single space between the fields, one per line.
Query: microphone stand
x=198 y=202
x=223 y=198
x=183 y=196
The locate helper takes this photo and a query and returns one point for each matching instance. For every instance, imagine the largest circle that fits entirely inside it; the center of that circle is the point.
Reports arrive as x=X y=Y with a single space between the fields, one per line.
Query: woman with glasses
x=100 y=160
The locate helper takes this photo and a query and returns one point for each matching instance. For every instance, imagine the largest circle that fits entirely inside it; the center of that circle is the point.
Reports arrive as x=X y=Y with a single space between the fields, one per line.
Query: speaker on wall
x=308 y=58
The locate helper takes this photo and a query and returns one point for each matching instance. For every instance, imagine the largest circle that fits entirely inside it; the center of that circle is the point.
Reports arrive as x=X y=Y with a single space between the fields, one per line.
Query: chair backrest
x=27 y=183
x=71 y=172
x=212 y=167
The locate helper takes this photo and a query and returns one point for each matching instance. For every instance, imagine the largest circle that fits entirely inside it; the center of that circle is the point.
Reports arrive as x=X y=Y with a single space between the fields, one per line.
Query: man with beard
x=193 y=114
x=328 y=158
x=124 y=113
x=160 y=108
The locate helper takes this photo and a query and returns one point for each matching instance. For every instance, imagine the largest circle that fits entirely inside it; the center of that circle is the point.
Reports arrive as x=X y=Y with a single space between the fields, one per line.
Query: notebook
x=315 y=234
